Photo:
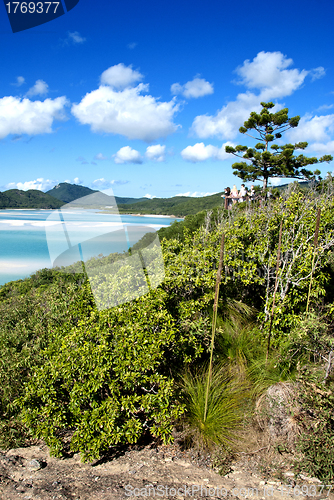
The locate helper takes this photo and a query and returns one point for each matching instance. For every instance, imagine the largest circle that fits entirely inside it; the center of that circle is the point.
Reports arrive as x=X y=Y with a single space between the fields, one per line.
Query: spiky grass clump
x=224 y=411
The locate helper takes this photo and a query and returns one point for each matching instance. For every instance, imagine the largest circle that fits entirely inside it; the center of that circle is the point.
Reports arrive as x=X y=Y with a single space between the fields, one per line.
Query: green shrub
x=316 y=443
x=108 y=379
x=25 y=330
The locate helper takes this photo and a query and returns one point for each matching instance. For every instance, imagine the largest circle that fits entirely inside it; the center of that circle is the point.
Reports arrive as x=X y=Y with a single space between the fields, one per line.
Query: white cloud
x=325 y=148
x=105 y=184
x=198 y=87
x=195 y=194
x=277 y=181
x=128 y=155
x=74 y=37
x=100 y=156
x=132 y=45
x=317 y=73
x=155 y=153
x=29 y=117
x=40 y=184
x=127 y=113
x=150 y=196
x=76 y=180
x=312 y=129
x=19 y=81
x=120 y=77
x=200 y=152
x=227 y=121
x=40 y=88
x=326 y=106
x=269 y=74
x=102 y=183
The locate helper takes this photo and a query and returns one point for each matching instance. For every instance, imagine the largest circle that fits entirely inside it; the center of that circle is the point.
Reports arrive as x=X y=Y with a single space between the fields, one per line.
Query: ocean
x=34 y=239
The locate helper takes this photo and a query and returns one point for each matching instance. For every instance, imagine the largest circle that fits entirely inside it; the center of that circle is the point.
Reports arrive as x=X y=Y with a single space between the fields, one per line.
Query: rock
x=288 y=474
x=311 y=479
x=275 y=411
x=34 y=465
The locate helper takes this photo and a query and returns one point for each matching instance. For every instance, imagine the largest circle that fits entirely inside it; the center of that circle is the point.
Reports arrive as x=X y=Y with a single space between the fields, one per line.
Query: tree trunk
x=265 y=182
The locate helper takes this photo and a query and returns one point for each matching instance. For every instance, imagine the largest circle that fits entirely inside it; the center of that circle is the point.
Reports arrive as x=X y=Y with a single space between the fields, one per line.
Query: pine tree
x=271 y=160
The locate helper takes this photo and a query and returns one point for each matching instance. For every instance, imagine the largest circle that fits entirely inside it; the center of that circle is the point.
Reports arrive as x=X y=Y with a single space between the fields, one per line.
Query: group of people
x=232 y=196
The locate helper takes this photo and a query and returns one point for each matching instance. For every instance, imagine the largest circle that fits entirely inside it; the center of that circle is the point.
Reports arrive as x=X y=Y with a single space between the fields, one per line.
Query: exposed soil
x=152 y=470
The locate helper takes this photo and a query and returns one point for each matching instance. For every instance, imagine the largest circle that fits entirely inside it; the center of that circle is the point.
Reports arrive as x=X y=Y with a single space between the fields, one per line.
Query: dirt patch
x=150 y=471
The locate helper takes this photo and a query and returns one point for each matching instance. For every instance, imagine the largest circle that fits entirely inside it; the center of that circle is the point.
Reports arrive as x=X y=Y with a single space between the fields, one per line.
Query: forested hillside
x=69 y=192
x=178 y=205
x=86 y=379
x=15 y=198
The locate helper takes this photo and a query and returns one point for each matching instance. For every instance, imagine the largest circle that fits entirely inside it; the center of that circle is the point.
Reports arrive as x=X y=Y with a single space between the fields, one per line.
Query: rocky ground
x=147 y=471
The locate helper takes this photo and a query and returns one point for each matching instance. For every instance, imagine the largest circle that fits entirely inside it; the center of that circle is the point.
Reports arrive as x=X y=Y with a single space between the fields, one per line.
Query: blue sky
x=143 y=96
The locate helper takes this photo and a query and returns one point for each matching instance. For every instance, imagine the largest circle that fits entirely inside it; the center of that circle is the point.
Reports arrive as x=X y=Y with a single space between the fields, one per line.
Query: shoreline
x=101 y=211
x=154 y=215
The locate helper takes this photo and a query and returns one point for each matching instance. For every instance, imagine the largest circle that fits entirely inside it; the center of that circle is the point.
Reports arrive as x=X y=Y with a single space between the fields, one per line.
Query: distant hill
x=33 y=198
x=302 y=184
x=68 y=192
x=178 y=205
x=123 y=201
x=81 y=196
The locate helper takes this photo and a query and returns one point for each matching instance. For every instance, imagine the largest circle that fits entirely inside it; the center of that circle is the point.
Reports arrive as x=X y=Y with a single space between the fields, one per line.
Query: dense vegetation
x=178 y=205
x=15 y=198
x=88 y=379
x=66 y=193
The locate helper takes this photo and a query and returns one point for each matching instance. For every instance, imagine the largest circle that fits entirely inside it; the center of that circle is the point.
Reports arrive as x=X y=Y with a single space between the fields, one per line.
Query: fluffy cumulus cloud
x=22 y=116
x=40 y=184
x=40 y=88
x=128 y=155
x=149 y=196
x=312 y=129
x=226 y=122
x=321 y=148
x=270 y=74
x=200 y=152
x=198 y=87
x=120 y=76
x=126 y=112
x=155 y=153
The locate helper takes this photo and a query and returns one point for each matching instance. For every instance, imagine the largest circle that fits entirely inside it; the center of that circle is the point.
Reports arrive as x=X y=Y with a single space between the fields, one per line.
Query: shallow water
x=33 y=239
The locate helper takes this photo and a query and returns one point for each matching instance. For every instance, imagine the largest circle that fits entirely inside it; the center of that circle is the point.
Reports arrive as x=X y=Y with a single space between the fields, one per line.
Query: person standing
x=234 y=194
x=227 y=196
x=242 y=193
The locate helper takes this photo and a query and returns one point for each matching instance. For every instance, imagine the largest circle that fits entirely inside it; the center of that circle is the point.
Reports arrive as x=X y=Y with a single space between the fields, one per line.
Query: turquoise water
x=34 y=239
